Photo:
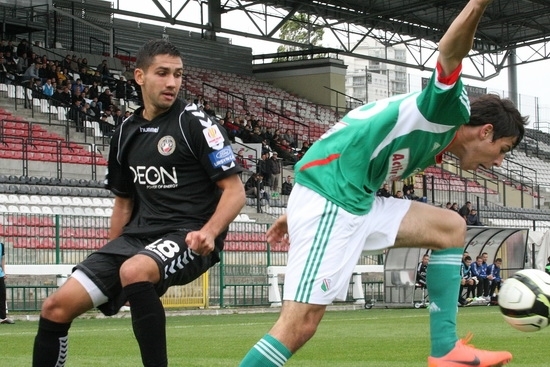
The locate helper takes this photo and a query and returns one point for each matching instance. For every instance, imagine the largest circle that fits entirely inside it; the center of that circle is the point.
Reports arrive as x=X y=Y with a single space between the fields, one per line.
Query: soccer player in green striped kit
x=333 y=213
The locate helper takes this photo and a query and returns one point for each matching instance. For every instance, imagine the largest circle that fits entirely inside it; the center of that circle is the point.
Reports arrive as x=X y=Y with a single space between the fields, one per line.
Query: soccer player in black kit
x=177 y=188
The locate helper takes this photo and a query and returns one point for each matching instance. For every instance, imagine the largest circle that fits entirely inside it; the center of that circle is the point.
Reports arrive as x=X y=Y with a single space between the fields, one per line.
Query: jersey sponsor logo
x=166 y=145
x=149 y=130
x=213 y=136
x=398 y=164
x=222 y=157
x=155 y=177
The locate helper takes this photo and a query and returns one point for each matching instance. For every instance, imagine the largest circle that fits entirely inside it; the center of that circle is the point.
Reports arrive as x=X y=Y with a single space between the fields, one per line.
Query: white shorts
x=326 y=242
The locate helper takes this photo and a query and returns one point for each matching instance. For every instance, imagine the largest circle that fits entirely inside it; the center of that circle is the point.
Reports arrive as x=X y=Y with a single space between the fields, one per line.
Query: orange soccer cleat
x=464 y=355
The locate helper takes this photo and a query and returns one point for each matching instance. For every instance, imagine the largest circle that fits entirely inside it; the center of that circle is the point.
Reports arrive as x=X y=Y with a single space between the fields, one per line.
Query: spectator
x=103 y=70
x=275 y=168
x=473 y=218
x=93 y=91
x=48 y=88
x=399 y=195
x=106 y=99
x=289 y=137
x=264 y=169
x=104 y=125
x=465 y=210
x=266 y=148
x=24 y=48
x=77 y=95
x=208 y=109
x=120 y=87
x=454 y=207
x=253 y=184
x=61 y=76
x=66 y=63
x=448 y=205
x=287 y=186
x=384 y=191
x=240 y=159
x=118 y=118
x=78 y=86
x=30 y=74
x=75 y=114
x=3 y=317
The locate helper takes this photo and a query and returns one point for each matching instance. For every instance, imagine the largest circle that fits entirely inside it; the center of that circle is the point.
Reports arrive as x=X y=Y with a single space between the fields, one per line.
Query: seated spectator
x=104 y=71
x=48 y=88
x=473 y=218
x=85 y=76
x=61 y=76
x=78 y=85
x=253 y=184
x=399 y=195
x=384 y=191
x=93 y=91
x=83 y=64
x=289 y=137
x=105 y=98
x=30 y=74
x=454 y=207
x=131 y=93
x=208 y=109
x=465 y=210
x=127 y=73
x=240 y=158
x=286 y=186
x=104 y=125
x=66 y=63
x=77 y=95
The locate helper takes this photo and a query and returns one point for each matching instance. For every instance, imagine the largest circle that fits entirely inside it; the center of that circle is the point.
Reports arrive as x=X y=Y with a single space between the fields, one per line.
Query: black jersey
x=169 y=166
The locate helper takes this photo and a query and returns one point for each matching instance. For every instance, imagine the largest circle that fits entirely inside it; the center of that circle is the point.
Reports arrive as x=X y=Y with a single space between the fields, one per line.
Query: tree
x=299 y=29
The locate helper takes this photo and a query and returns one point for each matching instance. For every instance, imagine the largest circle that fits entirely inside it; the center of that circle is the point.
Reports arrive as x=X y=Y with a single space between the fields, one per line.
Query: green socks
x=443 y=283
x=268 y=352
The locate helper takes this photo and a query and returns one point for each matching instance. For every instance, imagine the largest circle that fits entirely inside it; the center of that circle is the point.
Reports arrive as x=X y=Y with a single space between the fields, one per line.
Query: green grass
x=375 y=338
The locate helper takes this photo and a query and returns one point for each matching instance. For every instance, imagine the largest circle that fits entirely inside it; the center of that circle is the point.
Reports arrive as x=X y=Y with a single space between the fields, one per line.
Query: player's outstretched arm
x=457 y=42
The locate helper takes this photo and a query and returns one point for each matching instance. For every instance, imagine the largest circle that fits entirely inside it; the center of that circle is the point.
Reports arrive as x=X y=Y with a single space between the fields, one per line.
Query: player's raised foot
x=465 y=355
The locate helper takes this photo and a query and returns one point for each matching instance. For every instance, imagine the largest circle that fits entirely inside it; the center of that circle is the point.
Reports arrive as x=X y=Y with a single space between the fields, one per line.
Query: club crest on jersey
x=213 y=136
x=398 y=164
x=166 y=145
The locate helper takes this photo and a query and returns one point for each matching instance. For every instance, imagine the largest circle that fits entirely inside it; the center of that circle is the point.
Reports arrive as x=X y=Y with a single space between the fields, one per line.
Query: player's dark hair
x=499 y=112
x=152 y=48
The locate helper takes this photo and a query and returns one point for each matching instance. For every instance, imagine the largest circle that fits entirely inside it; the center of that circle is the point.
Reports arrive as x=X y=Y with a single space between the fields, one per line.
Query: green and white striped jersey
x=384 y=140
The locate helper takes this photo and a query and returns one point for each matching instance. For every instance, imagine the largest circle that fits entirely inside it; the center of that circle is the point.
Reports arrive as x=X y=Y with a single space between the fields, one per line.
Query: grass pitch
x=375 y=338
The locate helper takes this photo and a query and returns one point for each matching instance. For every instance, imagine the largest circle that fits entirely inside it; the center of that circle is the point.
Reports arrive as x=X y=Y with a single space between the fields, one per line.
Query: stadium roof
x=416 y=24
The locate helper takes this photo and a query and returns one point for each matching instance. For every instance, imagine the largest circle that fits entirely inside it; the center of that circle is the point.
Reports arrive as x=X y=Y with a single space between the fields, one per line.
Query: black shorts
x=177 y=264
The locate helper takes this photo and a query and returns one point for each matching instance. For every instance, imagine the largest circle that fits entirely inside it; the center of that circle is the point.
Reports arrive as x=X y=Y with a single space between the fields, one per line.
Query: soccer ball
x=524 y=300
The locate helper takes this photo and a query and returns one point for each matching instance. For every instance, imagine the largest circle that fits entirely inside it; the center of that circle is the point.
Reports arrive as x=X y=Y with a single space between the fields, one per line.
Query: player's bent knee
x=454 y=232
x=139 y=268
